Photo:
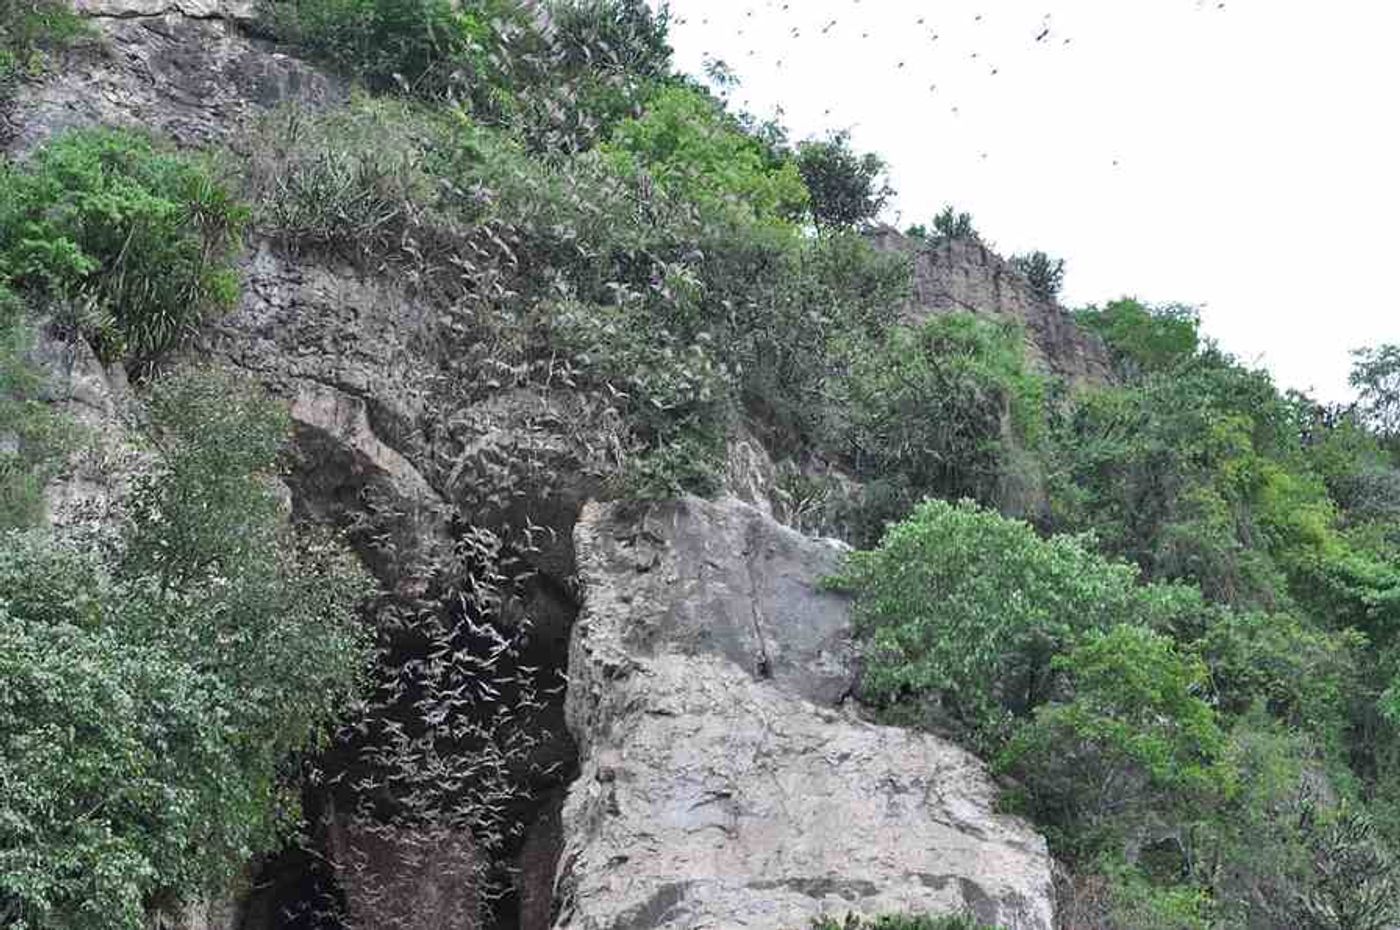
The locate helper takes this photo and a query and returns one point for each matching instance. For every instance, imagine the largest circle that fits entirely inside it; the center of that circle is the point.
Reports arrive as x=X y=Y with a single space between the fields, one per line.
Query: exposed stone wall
x=963 y=274
x=188 y=69
x=722 y=782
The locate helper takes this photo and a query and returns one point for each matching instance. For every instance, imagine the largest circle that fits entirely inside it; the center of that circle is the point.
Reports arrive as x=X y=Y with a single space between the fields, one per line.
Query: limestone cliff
x=722 y=780
x=723 y=783
x=963 y=274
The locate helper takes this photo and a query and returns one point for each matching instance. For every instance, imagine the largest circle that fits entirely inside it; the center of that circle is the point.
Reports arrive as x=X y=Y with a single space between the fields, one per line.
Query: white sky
x=1239 y=156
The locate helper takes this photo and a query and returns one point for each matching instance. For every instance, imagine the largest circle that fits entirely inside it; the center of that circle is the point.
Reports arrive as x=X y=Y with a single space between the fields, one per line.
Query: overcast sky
x=1239 y=156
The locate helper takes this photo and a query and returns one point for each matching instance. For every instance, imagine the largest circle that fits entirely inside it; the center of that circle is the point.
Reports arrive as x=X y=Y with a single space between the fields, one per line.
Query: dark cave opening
x=304 y=887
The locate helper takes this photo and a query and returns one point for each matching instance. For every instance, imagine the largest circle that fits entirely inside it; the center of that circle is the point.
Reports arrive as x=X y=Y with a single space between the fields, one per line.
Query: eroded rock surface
x=187 y=69
x=963 y=274
x=721 y=786
x=88 y=491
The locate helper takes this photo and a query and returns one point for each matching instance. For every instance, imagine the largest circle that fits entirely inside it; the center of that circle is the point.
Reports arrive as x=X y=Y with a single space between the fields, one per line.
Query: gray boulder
x=723 y=784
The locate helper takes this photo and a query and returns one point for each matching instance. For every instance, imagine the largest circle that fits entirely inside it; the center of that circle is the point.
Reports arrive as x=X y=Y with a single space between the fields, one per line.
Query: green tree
x=1375 y=375
x=132 y=244
x=1144 y=338
x=1045 y=274
x=431 y=48
x=691 y=149
x=948 y=224
x=963 y=611
x=1136 y=740
x=150 y=707
x=846 y=189
x=937 y=410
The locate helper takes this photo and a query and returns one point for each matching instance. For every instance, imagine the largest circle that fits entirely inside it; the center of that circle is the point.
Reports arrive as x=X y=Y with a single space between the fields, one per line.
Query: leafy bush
x=690 y=148
x=1142 y=338
x=936 y=410
x=1045 y=274
x=1302 y=675
x=626 y=36
x=561 y=73
x=1137 y=902
x=1136 y=741
x=846 y=189
x=150 y=705
x=962 y=608
x=432 y=48
x=1189 y=474
x=133 y=245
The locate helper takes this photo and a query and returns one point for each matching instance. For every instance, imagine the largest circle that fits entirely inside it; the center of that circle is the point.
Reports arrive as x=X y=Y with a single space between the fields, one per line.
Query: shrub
x=797 y=321
x=846 y=189
x=562 y=73
x=935 y=410
x=689 y=147
x=1144 y=338
x=150 y=705
x=1135 y=901
x=1192 y=473
x=1137 y=740
x=431 y=48
x=963 y=608
x=606 y=57
x=1302 y=675
x=133 y=244
x=625 y=36
x=1044 y=273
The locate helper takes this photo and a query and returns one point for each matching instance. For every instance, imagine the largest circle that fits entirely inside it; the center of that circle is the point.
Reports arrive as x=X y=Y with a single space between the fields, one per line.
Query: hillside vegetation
x=1166 y=609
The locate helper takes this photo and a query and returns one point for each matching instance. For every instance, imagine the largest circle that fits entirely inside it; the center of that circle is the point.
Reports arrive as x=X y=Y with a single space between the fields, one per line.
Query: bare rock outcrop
x=722 y=784
x=963 y=274
x=87 y=493
x=188 y=69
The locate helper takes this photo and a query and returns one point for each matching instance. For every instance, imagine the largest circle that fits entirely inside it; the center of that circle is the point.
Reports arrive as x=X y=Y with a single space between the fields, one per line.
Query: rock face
x=87 y=494
x=725 y=782
x=963 y=274
x=182 y=68
x=721 y=783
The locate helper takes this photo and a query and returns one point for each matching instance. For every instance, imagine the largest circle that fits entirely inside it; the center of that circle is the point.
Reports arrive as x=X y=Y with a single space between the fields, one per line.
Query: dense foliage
x=1044 y=273
x=153 y=687
x=938 y=409
x=1186 y=666
x=846 y=189
x=1208 y=735
x=128 y=245
x=560 y=73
